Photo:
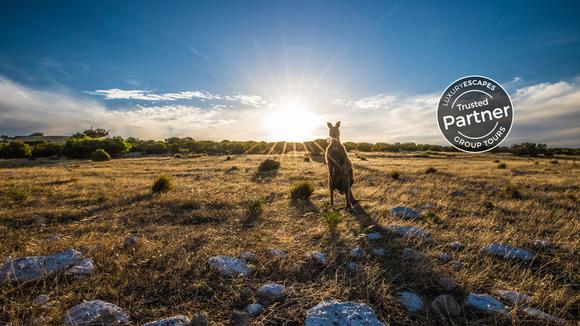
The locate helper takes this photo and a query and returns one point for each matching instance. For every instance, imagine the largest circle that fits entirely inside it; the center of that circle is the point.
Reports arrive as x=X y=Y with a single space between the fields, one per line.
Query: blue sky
x=241 y=60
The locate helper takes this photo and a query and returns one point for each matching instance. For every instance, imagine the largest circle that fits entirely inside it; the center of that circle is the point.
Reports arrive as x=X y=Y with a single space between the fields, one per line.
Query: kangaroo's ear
x=337 y=124
x=329 y=124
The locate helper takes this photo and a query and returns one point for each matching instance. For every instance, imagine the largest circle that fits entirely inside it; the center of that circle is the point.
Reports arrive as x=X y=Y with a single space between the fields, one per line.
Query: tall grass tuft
x=430 y=170
x=163 y=183
x=268 y=165
x=100 y=155
x=301 y=190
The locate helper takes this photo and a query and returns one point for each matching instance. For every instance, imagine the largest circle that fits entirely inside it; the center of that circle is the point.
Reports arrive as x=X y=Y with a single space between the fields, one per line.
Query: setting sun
x=291 y=121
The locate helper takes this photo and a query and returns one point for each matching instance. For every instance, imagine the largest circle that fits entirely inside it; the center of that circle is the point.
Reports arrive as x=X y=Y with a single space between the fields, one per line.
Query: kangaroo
x=340 y=175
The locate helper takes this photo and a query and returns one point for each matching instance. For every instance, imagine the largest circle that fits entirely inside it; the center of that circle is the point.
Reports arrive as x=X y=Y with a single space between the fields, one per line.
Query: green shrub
x=502 y=166
x=331 y=218
x=430 y=170
x=83 y=147
x=395 y=175
x=431 y=216
x=253 y=209
x=47 y=149
x=15 y=149
x=163 y=183
x=100 y=155
x=301 y=190
x=268 y=165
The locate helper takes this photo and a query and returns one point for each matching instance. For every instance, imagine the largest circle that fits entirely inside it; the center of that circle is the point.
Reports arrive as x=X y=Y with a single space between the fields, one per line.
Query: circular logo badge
x=475 y=114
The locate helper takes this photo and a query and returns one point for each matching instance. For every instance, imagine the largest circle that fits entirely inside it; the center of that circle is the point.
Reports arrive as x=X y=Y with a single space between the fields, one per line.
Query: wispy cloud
x=143 y=95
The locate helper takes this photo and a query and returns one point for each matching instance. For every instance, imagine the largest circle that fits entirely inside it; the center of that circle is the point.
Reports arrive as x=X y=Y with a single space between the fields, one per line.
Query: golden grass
x=95 y=206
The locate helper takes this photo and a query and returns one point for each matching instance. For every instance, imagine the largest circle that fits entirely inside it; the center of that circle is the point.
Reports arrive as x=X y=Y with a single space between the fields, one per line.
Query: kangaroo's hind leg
x=348 y=195
x=331 y=190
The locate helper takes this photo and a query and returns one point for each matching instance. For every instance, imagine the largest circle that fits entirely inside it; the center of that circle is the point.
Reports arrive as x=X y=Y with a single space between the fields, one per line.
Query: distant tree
x=96 y=133
x=15 y=149
x=36 y=134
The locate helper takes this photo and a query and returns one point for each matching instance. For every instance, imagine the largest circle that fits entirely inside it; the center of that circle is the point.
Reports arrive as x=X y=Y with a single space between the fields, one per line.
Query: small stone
x=270 y=293
x=229 y=266
x=130 y=242
x=456 y=193
x=374 y=236
x=319 y=258
x=254 y=309
x=54 y=237
x=357 y=253
x=95 y=312
x=84 y=267
x=485 y=303
x=408 y=231
x=412 y=254
x=352 y=267
x=239 y=318
x=446 y=305
x=248 y=256
x=273 y=252
x=336 y=313
x=405 y=212
x=379 y=251
x=540 y=315
x=200 y=320
x=410 y=300
x=508 y=252
x=34 y=268
x=457 y=265
x=457 y=246
x=514 y=296
x=41 y=299
x=447 y=284
x=178 y=320
x=444 y=257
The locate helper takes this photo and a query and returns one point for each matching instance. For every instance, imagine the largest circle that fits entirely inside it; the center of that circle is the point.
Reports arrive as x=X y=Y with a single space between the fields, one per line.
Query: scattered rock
x=374 y=236
x=447 y=284
x=357 y=253
x=379 y=251
x=38 y=267
x=130 y=242
x=456 y=193
x=410 y=300
x=178 y=320
x=457 y=246
x=95 y=312
x=254 y=309
x=200 y=320
x=540 y=315
x=408 y=231
x=446 y=305
x=248 y=256
x=336 y=313
x=352 y=267
x=54 y=237
x=412 y=254
x=508 y=252
x=229 y=266
x=270 y=293
x=273 y=252
x=239 y=318
x=457 y=265
x=427 y=206
x=405 y=213
x=318 y=257
x=485 y=303
x=41 y=299
x=82 y=268
x=514 y=296
x=444 y=257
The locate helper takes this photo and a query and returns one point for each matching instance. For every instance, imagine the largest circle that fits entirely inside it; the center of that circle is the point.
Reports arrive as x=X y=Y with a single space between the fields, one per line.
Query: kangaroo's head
x=333 y=131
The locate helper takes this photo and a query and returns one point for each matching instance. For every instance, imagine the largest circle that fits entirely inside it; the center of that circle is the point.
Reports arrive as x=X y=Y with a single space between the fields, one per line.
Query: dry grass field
x=49 y=206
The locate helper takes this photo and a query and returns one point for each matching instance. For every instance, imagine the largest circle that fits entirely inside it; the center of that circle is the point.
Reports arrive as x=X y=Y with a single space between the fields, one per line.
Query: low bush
x=301 y=190
x=82 y=148
x=15 y=149
x=331 y=219
x=100 y=155
x=395 y=175
x=163 y=183
x=430 y=170
x=47 y=149
x=268 y=165
x=512 y=191
x=253 y=209
x=502 y=166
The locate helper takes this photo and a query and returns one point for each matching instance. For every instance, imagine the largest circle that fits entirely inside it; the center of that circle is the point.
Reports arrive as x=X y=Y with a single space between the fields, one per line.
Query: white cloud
x=117 y=94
